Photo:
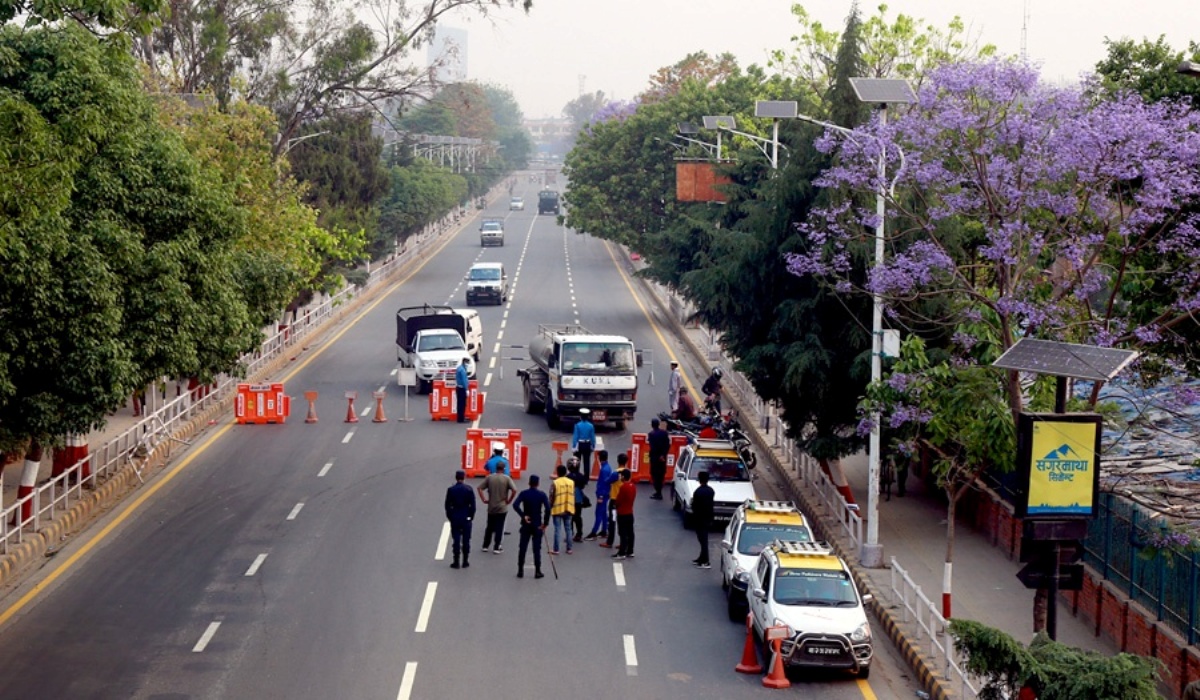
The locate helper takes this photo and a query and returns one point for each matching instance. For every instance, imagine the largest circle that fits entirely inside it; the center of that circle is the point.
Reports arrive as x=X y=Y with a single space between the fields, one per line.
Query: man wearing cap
x=673 y=386
x=659 y=443
x=460 y=511
x=497 y=491
x=497 y=461
x=533 y=508
x=583 y=439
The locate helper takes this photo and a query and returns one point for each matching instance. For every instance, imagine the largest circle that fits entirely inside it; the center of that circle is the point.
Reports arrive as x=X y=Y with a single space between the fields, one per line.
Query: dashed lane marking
x=258 y=561
x=406 y=683
x=348 y=436
x=442 y=542
x=426 y=606
x=295 y=511
x=630 y=656
x=325 y=469
x=487 y=379
x=619 y=574
x=207 y=636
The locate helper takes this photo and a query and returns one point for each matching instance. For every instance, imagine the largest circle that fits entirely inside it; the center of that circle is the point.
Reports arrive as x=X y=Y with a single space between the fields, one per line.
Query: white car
x=727 y=475
x=516 y=204
x=754 y=525
x=807 y=593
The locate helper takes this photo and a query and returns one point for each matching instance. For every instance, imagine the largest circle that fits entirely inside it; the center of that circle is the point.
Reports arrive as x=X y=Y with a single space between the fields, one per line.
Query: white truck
x=576 y=369
x=431 y=339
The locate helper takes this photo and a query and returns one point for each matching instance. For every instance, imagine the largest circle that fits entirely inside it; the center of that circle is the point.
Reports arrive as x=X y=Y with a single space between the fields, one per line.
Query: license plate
x=599 y=415
x=823 y=651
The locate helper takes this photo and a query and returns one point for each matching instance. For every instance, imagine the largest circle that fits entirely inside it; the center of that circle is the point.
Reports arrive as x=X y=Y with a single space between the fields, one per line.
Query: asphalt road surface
x=310 y=560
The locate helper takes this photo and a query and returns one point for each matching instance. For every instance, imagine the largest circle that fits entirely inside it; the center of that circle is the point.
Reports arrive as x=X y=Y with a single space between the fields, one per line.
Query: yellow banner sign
x=1062 y=468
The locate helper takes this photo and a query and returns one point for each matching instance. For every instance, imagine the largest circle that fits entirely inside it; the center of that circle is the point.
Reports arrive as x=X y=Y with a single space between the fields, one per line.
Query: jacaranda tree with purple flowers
x=1018 y=210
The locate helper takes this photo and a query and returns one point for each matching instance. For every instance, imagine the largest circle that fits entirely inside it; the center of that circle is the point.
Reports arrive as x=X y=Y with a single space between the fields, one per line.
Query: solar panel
x=778 y=109
x=688 y=128
x=1065 y=359
x=719 y=123
x=883 y=90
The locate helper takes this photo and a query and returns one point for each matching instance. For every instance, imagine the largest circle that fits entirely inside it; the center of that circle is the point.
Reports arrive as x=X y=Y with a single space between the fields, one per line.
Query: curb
x=933 y=682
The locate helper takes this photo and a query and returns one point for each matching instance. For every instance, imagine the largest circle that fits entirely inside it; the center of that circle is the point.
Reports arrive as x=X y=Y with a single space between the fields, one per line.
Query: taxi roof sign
x=792 y=547
x=771 y=506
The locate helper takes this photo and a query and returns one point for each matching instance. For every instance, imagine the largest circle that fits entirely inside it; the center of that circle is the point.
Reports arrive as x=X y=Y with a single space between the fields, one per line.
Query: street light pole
x=872 y=550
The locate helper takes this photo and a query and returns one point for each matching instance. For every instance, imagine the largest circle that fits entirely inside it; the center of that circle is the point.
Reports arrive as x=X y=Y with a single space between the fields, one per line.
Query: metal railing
x=151 y=439
x=918 y=610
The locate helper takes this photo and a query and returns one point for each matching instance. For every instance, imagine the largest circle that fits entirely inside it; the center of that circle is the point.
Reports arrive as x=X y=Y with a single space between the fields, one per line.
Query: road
x=309 y=560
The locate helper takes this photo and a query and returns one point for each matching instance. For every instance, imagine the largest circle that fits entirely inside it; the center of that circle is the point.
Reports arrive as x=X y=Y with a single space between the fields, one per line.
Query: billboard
x=1058 y=461
x=698 y=182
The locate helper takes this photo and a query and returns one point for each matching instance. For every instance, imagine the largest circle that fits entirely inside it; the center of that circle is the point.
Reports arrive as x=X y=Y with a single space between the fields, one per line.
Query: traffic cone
x=351 y=417
x=749 y=662
x=379 y=417
x=776 y=678
x=311 y=397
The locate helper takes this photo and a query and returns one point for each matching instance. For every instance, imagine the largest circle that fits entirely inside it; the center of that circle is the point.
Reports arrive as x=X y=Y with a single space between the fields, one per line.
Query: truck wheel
x=531 y=406
x=619 y=424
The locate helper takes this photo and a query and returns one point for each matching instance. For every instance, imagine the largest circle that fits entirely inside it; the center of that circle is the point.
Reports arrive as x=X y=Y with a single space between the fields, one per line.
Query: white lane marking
x=505 y=316
x=499 y=336
x=325 y=469
x=619 y=574
x=492 y=363
x=426 y=606
x=442 y=542
x=348 y=436
x=496 y=350
x=406 y=683
x=295 y=511
x=366 y=411
x=393 y=372
x=255 y=564
x=630 y=656
x=487 y=379
x=503 y=323
x=207 y=636
x=382 y=387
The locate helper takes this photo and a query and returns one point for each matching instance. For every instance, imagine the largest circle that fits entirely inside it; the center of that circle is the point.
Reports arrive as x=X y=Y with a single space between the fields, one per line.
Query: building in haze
x=448 y=54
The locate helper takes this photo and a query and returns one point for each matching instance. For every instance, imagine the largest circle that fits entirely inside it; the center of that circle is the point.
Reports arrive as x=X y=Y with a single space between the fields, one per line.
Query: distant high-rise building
x=449 y=48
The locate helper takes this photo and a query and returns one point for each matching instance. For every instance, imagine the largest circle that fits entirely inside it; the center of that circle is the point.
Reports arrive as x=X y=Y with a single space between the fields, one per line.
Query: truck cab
x=575 y=369
x=432 y=340
x=548 y=202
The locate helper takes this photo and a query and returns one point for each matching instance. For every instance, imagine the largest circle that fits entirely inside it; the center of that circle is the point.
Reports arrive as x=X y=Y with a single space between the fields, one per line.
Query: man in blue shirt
x=533 y=508
x=497 y=460
x=460 y=511
x=460 y=390
x=583 y=439
x=604 y=482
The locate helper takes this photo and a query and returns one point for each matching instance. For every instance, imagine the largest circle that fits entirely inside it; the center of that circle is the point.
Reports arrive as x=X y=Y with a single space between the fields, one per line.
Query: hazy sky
x=615 y=45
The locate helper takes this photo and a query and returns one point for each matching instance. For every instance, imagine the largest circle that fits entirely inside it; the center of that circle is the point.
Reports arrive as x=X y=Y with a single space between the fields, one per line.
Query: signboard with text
x=1058 y=460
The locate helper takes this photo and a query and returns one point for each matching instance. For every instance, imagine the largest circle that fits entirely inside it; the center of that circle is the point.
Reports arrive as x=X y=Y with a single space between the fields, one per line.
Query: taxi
x=754 y=525
x=807 y=590
x=728 y=476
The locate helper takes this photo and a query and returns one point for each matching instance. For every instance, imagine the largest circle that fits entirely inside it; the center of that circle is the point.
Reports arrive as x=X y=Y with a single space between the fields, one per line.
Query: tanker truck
x=573 y=369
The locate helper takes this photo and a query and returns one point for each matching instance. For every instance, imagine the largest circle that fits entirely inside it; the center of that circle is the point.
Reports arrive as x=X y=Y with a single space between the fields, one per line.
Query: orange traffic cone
x=351 y=416
x=776 y=678
x=311 y=396
x=379 y=417
x=749 y=662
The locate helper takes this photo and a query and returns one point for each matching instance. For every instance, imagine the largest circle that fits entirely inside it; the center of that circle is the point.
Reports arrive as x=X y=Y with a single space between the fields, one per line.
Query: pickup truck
x=491 y=232
x=431 y=340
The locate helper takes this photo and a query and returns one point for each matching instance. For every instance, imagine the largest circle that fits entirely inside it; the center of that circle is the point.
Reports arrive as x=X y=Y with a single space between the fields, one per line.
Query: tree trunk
x=1041 y=608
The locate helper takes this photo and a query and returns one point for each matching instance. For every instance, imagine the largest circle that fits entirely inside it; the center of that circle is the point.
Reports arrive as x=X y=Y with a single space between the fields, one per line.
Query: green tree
x=420 y=192
x=1056 y=671
x=1149 y=69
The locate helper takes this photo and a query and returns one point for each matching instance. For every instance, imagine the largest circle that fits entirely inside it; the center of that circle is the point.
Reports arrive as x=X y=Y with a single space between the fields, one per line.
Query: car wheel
x=736 y=612
x=864 y=672
x=423 y=387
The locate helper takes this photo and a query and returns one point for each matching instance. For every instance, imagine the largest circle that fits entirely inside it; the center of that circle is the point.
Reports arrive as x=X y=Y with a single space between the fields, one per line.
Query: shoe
x=629 y=556
x=703 y=565
x=454 y=565
x=577 y=539
x=590 y=537
x=606 y=545
x=656 y=497
x=466 y=564
x=618 y=555
x=497 y=550
x=570 y=551
x=554 y=552
x=520 y=574
x=539 y=575
x=603 y=534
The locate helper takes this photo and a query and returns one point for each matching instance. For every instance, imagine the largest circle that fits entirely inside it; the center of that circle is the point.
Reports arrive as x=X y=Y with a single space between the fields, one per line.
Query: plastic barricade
x=639 y=458
x=678 y=442
x=478 y=450
x=261 y=403
x=443 y=400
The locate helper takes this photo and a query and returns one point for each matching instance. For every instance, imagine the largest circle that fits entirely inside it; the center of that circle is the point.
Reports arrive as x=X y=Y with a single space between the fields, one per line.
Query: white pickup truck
x=431 y=340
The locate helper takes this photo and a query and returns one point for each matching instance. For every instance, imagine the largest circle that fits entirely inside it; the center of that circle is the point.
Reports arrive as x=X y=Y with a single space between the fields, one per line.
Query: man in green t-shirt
x=497 y=491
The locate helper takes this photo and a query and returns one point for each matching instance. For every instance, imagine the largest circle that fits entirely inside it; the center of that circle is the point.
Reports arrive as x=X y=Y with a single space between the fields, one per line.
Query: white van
x=487 y=281
x=474 y=331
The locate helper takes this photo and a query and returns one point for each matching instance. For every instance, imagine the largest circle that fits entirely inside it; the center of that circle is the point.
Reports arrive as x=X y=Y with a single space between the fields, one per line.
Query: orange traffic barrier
x=261 y=403
x=443 y=400
x=678 y=442
x=379 y=417
x=639 y=458
x=478 y=450
x=749 y=662
x=351 y=416
x=561 y=446
x=776 y=678
x=311 y=397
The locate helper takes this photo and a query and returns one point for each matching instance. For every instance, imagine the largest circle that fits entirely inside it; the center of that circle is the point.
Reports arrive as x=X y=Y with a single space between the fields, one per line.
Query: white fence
x=932 y=627
x=152 y=438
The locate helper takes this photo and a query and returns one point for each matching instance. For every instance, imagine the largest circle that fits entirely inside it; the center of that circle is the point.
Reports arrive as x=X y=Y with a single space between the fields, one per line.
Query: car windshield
x=443 y=341
x=719 y=469
x=517 y=200
x=491 y=226
x=485 y=274
x=598 y=358
x=822 y=587
x=755 y=536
